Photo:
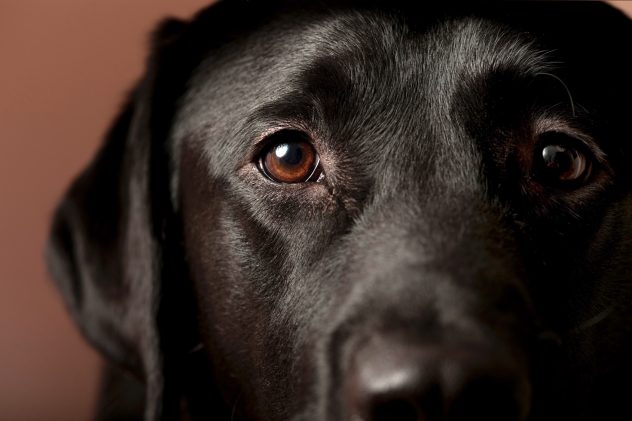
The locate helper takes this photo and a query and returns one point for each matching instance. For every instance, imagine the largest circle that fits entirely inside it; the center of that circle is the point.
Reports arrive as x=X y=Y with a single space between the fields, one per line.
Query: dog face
x=365 y=212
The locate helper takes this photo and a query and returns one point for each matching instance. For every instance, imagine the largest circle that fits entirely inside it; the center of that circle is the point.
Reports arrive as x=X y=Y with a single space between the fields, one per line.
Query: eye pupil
x=289 y=154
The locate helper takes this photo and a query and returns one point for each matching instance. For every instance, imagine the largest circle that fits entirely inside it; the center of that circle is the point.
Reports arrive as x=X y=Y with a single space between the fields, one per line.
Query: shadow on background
x=64 y=68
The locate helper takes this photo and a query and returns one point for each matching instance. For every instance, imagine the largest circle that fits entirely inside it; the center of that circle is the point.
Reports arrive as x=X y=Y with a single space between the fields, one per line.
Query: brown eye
x=561 y=160
x=290 y=158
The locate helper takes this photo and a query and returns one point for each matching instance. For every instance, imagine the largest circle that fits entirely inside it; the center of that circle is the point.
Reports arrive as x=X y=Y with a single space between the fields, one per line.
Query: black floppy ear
x=106 y=239
x=115 y=248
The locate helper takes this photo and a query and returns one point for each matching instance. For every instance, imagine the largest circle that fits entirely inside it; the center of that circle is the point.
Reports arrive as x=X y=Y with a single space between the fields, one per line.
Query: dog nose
x=399 y=381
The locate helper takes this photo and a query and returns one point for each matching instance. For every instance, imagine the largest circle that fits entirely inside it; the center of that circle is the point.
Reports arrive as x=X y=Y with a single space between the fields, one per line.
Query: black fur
x=231 y=297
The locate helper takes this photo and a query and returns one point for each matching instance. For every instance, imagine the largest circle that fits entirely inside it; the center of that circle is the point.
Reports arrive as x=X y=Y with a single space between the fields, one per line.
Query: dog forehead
x=362 y=77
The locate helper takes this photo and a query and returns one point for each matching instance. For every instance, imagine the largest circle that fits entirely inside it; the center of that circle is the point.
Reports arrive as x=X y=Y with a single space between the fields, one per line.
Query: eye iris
x=291 y=162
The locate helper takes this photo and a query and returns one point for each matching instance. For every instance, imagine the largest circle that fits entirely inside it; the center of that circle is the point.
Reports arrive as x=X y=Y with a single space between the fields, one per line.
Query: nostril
x=489 y=386
x=397 y=409
x=486 y=398
x=414 y=397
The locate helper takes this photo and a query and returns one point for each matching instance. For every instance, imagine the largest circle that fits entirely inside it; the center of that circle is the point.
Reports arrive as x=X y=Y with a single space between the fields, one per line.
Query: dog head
x=367 y=211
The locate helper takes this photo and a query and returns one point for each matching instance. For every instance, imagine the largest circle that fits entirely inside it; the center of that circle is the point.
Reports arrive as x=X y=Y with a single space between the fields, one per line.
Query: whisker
x=568 y=91
x=598 y=318
x=234 y=410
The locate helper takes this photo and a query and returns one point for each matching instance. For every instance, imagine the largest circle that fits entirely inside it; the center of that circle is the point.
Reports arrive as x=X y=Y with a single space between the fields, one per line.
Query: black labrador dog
x=364 y=210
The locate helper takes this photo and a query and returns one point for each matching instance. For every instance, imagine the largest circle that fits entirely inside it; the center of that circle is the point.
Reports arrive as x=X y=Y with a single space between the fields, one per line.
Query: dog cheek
x=235 y=268
x=214 y=276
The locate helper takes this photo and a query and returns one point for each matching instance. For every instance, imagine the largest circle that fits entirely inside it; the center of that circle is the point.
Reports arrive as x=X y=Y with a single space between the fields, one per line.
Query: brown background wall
x=64 y=67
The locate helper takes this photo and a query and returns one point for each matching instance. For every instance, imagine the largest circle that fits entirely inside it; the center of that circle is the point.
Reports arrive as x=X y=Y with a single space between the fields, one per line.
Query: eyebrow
x=292 y=110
